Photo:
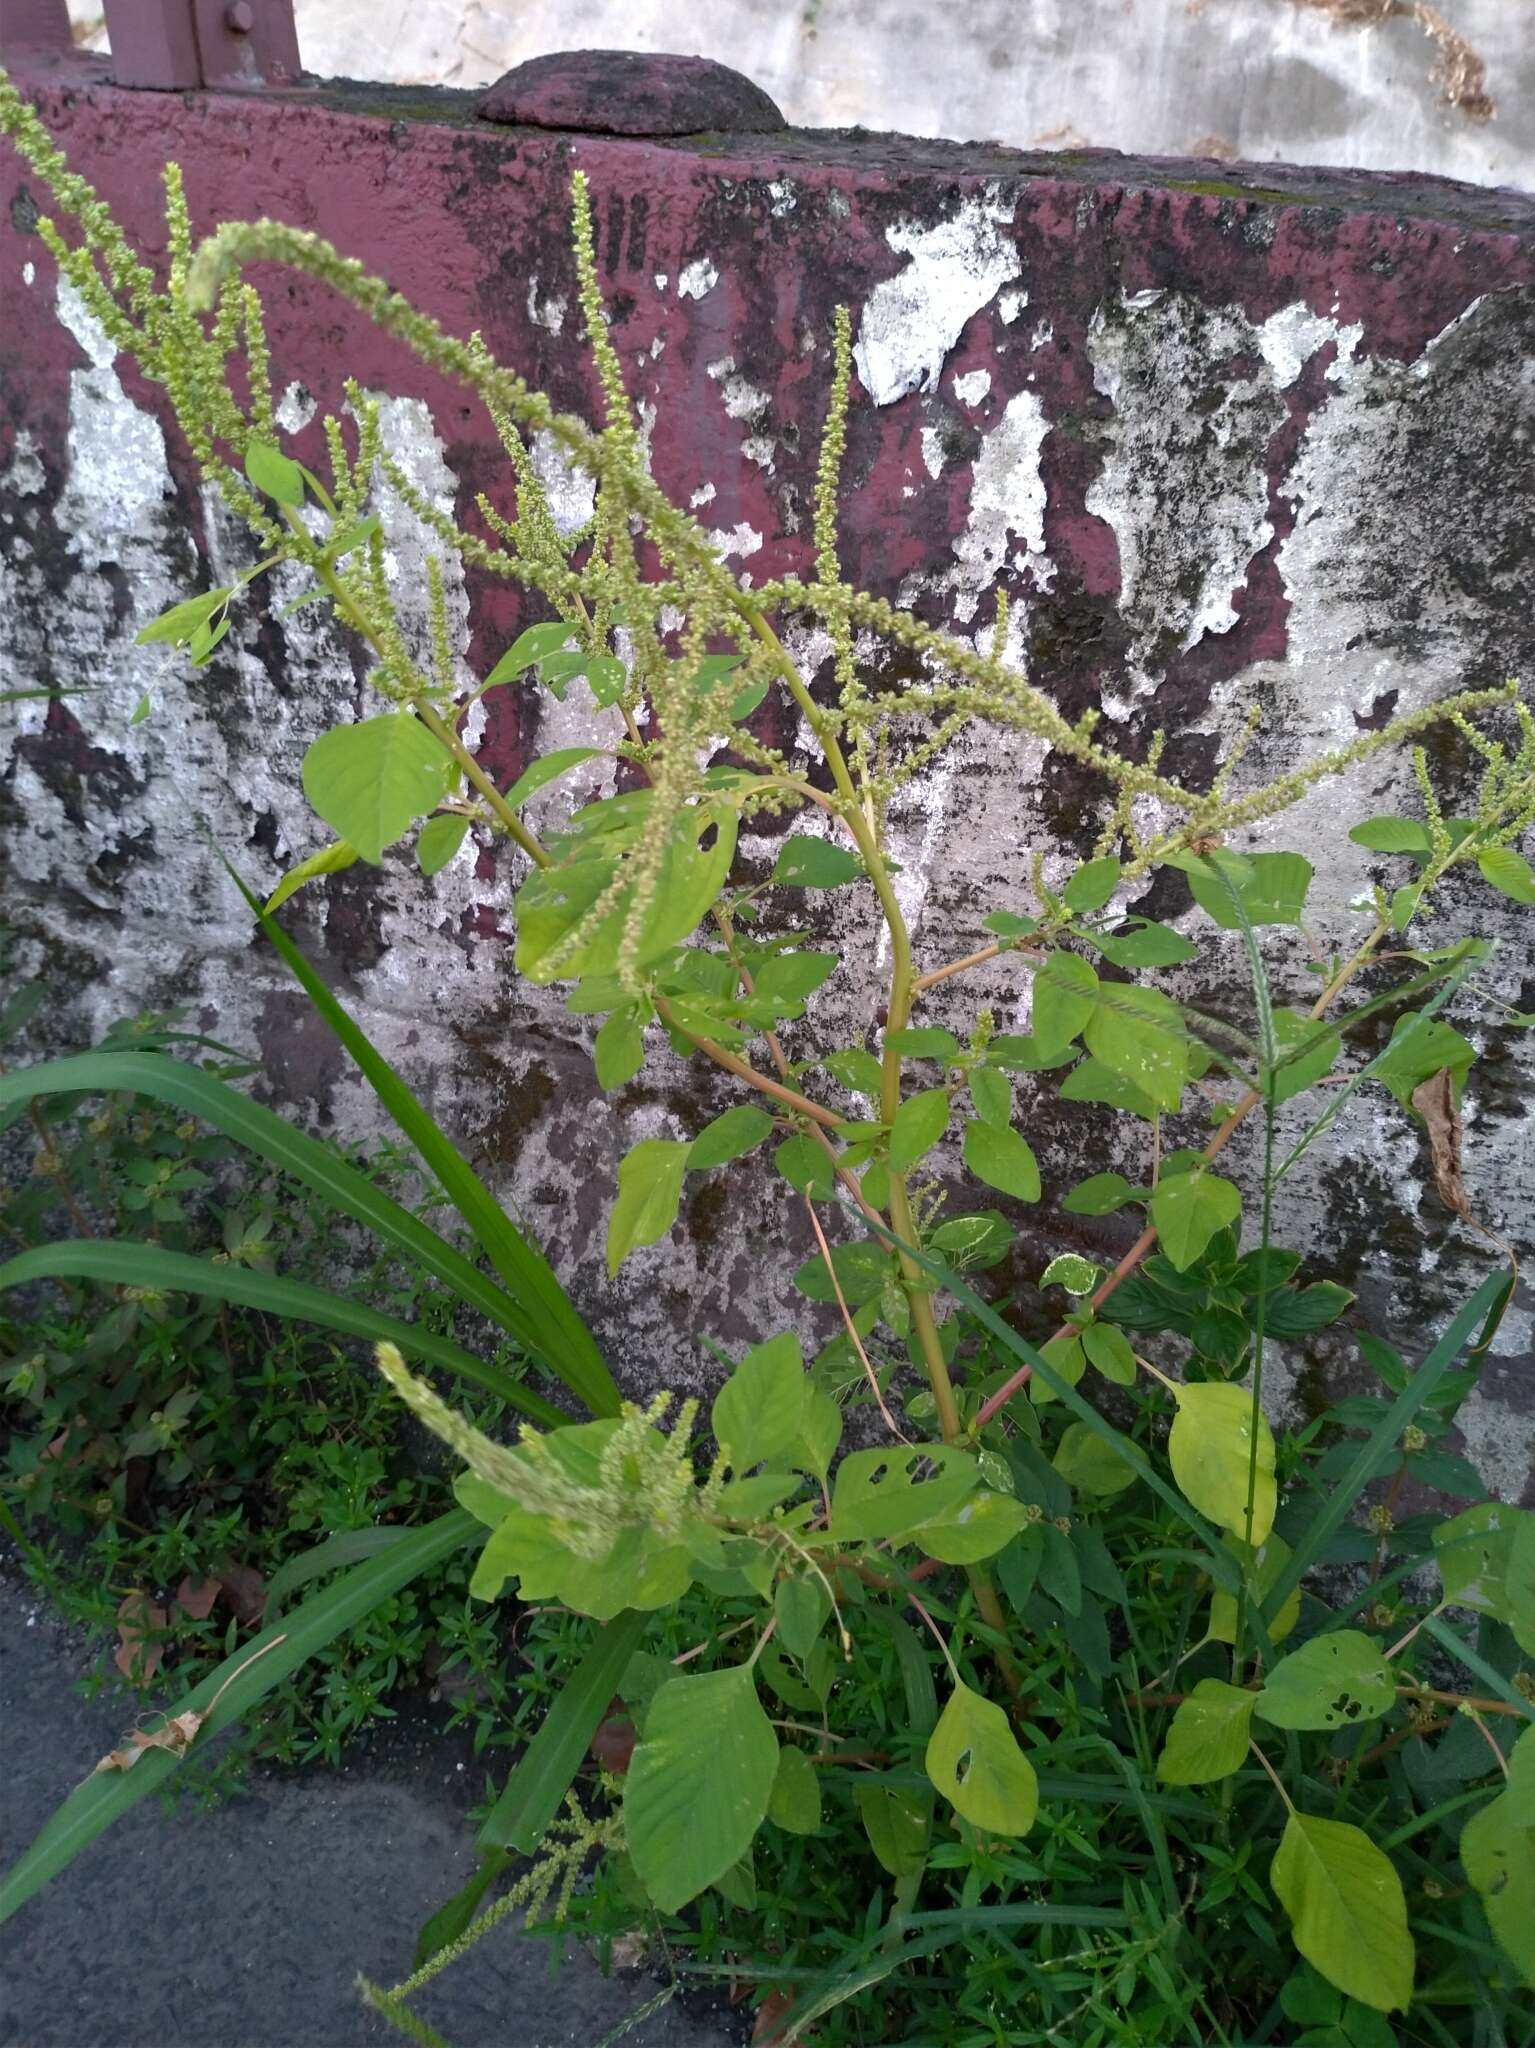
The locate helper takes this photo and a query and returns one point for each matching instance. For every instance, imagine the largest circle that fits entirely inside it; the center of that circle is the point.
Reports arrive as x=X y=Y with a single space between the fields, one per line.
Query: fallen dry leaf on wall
x=1434 y=1100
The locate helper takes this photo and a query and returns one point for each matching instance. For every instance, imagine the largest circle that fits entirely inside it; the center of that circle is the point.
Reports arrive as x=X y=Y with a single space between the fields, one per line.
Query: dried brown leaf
x=140 y=1623
x=1459 y=73
x=1434 y=1100
x=196 y=1597
x=246 y=1589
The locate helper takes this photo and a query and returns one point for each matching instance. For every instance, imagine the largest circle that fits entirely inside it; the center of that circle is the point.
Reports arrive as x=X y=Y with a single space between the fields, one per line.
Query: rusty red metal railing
x=164 y=45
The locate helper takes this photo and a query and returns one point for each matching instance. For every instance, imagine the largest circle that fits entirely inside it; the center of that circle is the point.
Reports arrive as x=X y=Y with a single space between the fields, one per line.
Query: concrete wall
x=1269 y=80
x=1224 y=439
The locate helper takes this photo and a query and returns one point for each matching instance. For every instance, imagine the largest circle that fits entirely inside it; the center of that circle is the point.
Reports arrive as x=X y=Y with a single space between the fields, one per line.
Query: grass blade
x=145 y=1265
x=281 y=1145
x=531 y=1796
x=1341 y=1498
x=549 y=1324
x=228 y=1694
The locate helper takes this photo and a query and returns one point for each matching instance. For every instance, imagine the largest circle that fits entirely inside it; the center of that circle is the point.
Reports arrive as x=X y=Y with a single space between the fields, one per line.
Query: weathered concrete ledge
x=1225 y=435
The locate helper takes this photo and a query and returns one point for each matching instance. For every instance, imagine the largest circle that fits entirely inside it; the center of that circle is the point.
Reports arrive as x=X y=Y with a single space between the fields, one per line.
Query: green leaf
x=1071 y=1271
x=820 y=1431
x=1348 y=1916
x=546 y=769
x=1296 y=1311
x=977 y=1765
x=1067 y=1359
x=275 y=475
x=919 y=1123
x=1143 y=944
x=1108 y=1349
x=1419 y=1047
x=330 y=860
x=788 y=978
x=533 y=1794
x=1296 y=1069
x=1002 y=1159
x=177 y=625
x=1497 y=1850
x=1262 y=1570
x=531 y=1303
x=1065 y=991
x=1092 y=885
x=884 y=1495
x=619 y=1051
x=1188 y=1209
x=1508 y=872
x=1334 y=1681
x=928 y=1042
x=981 y=1525
x=371 y=781
x=1091 y=1081
x=855 y=1069
x=1209 y=1735
x=800 y=1607
x=1136 y=1032
x=730 y=1136
x=757 y=1412
x=649 y=1190
x=1270 y=887
x=1392 y=835
x=257 y=1667
x=1210 y=1450
x=1089 y=1465
x=992 y=1094
x=795 y=1801
x=805 y=1166
x=146 y=1265
x=1009 y=924
x=807 y=863
x=1521 y=1779
x=437 y=842
x=898 y=1819
x=1100 y=1195
x=699 y=1784
x=533 y=645
x=1486 y=1560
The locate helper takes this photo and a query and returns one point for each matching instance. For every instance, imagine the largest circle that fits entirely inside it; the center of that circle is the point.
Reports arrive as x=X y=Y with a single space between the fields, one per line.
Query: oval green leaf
x=699 y=1784
x=1211 y=1452
x=1348 y=1916
x=976 y=1764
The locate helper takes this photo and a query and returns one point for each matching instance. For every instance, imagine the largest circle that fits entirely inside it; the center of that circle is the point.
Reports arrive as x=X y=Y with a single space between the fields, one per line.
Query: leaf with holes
x=1209 y=1735
x=699 y=1784
x=975 y=1762
x=1211 y=1450
x=1334 y=1681
x=1348 y=1916
x=886 y=1495
x=1497 y=1850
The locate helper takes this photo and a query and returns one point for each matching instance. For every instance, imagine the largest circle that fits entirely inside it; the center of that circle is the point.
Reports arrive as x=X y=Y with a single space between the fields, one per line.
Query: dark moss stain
x=706 y=1212
x=515 y=1107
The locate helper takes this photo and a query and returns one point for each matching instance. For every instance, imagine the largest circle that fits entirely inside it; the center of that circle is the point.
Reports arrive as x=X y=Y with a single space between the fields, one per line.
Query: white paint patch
x=740 y=539
x=295 y=409
x=932 y=451
x=570 y=490
x=1044 y=331
x=26 y=475
x=660 y=280
x=117 y=462
x=547 y=312
x=695 y=280
x=29 y=273
x=912 y=320
x=971 y=388
x=782 y=198
x=704 y=495
x=1007 y=497
x=1012 y=302
x=1288 y=340
x=743 y=401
